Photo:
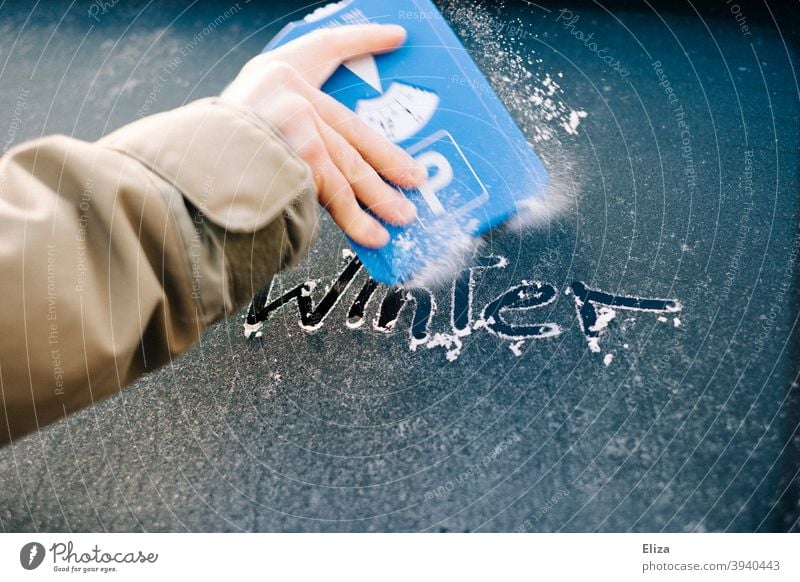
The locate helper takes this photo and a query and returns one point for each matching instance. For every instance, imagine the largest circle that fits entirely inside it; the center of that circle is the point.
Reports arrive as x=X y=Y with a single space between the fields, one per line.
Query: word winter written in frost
x=595 y=309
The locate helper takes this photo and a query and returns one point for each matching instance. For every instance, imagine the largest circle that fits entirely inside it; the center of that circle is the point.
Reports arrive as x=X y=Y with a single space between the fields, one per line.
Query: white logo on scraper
x=398 y=114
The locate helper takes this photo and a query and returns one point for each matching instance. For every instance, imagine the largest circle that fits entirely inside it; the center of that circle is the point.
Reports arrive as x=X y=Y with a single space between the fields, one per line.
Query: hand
x=345 y=155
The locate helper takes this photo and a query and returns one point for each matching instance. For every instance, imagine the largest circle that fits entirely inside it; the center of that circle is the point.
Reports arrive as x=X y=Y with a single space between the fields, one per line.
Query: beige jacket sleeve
x=116 y=255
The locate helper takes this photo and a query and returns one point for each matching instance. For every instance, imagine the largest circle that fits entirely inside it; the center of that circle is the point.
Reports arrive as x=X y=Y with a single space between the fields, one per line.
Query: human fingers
x=381 y=198
x=391 y=161
x=296 y=119
x=318 y=54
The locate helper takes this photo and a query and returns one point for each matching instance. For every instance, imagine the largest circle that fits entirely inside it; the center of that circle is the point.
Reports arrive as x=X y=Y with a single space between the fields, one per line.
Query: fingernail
x=419 y=172
x=372 y=232
x=380 y=235
x=408 y=209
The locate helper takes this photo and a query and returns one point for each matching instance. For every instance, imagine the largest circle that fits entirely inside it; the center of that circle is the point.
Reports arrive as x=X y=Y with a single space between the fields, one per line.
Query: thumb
x=317 y=55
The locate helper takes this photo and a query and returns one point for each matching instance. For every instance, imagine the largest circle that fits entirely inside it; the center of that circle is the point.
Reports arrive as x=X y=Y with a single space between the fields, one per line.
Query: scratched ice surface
x=619 y=418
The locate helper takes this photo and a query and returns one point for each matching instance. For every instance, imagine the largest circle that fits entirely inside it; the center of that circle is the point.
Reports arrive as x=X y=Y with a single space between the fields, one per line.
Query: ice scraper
x=431 y=99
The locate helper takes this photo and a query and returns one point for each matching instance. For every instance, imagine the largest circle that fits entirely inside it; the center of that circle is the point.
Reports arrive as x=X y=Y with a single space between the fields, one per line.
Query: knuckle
x=327 y=35
x=248 y=68
x=280 y=72
x=296 y=106
x=351 y=162
x=330 y=39
x=313 y=151
x=353 y=126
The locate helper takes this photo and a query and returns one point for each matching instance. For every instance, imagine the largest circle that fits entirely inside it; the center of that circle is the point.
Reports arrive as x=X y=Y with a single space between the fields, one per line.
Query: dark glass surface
x=692 y=426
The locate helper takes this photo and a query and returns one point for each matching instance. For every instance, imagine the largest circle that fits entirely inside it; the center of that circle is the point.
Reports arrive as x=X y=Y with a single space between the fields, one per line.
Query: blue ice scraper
x=431 y=99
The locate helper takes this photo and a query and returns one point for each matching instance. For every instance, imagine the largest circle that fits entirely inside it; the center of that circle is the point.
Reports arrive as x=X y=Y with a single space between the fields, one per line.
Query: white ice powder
x=516 y=347
x=447 y=249
x=252 y=329
x=308 y=288
x=450 y=342
x=536 y=101
x=520 y=79
x=571 y=124
x=605 y=315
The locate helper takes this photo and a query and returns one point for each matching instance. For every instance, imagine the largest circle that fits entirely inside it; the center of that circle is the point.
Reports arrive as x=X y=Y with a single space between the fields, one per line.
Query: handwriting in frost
x=595 y=309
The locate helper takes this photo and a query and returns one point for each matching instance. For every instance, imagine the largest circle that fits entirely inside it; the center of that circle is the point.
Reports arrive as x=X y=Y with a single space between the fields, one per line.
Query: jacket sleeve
x=116 y=255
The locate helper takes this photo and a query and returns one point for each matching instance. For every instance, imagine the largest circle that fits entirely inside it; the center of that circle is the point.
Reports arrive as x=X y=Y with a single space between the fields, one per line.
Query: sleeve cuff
x=228 y=162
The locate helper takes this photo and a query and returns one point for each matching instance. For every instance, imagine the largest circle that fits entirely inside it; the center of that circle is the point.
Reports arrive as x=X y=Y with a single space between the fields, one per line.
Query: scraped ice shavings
x=593 y=307
x=571 y=125
x=516 y=347
x=435 y=254
x=251 y=329
x=605 y=315
x=308 y=288
x=601 y=315
x=516 y=84
x=534 y=99
x=450 y=342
